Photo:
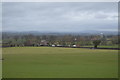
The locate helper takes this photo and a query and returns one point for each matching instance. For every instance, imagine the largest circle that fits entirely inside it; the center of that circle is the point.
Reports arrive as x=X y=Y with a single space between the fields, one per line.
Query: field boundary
x=94 y=48
x=60 y=79
x=71 y=47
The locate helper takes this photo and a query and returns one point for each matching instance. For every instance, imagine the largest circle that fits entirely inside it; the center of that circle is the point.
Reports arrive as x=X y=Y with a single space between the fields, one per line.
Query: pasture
x=101 y=46
x=54 y=62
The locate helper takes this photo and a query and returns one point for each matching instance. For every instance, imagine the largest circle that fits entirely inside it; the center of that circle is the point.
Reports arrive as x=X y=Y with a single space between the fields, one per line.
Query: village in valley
x=64 y=40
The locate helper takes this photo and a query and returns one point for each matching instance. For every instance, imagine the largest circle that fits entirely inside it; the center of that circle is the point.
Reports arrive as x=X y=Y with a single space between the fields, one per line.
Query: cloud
x=61 y=16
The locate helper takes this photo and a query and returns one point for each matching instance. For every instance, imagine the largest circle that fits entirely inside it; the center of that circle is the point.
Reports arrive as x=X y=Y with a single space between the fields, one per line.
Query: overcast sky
x=60 y=17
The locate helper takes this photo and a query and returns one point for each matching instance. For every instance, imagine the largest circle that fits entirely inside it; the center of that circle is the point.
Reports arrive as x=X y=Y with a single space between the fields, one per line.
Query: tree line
x=67 y=40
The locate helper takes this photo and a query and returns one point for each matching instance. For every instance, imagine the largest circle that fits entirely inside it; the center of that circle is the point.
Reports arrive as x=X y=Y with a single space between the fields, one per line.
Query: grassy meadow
x=102 y=46
x=54 y=62
x=0 y=69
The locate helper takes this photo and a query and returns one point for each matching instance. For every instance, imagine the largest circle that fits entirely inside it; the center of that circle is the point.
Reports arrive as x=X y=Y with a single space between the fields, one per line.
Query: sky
x=60 y=16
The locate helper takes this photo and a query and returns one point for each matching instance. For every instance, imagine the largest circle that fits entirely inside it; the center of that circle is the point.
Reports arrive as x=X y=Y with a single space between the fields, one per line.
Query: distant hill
x=61 y=33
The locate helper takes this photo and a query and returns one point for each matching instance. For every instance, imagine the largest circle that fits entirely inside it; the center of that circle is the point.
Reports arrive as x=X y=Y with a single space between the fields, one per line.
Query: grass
x=52 y=62
x=102 y=46
x=0 y=63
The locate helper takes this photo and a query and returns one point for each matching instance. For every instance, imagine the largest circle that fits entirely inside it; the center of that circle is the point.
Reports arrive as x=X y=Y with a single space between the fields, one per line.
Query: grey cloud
x=59 y=16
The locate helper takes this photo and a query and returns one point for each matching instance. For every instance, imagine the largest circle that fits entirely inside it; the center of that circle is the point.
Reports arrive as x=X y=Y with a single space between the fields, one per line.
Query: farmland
x=54 y=62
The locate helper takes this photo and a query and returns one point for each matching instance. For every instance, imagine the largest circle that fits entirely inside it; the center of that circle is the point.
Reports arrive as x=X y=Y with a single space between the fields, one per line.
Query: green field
x=53 y=62
x=102 y=46
x=0 y=69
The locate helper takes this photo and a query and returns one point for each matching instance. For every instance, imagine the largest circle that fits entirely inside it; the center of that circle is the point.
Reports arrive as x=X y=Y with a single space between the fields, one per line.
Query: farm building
x=43 y=43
